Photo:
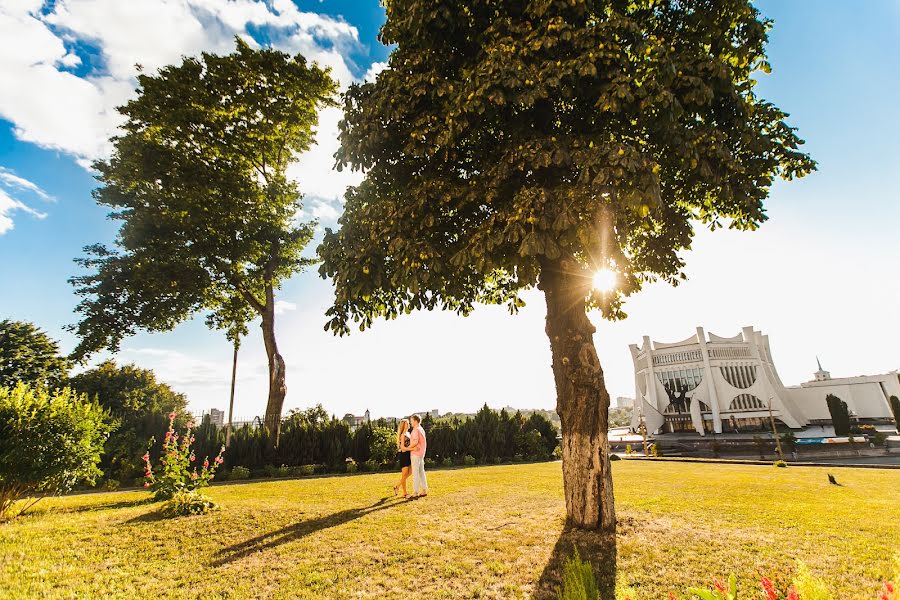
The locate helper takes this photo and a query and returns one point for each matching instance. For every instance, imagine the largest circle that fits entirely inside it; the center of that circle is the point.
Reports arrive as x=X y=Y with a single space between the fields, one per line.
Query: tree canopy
x=29 y=355
x=504 y=133
x=209 y=218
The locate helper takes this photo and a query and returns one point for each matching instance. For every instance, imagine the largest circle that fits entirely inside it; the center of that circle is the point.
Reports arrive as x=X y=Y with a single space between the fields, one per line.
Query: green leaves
x=198 y=181
x=49 y=442
x=500 y=131
x=30 y=356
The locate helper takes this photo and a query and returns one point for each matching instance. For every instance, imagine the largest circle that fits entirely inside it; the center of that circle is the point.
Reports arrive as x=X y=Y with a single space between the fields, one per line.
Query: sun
x=605 y=280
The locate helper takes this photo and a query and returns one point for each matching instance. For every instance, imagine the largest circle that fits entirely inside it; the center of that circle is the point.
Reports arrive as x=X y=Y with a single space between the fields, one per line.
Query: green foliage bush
x=111 y=485
x=840 y=415
x=578 y=580
x=29 y=356
x=49 y=442
x=447 y=462
x=429 y=463
x=238 y=473
x=352 y=467
x=895 y=408
x=187 y=502
x=469 y=460
x=780 y=463
x=382 y=445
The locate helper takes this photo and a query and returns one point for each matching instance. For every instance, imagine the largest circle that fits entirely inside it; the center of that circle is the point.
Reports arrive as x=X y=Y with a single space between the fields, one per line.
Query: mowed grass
x=489 y=532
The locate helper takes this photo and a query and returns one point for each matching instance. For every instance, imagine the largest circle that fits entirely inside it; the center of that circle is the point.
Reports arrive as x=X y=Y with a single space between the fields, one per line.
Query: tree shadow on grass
x=288 y=534
x=598 y=548
x=105 y=506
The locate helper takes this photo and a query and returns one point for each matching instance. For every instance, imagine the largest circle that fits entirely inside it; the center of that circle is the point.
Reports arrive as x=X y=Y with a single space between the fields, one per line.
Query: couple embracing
x=411 y=445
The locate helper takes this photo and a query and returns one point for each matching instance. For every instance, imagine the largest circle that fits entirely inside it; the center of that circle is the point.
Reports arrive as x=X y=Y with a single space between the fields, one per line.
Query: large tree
x=516 y=144
x=141 y=406
x=198 y=180
x=30 y=356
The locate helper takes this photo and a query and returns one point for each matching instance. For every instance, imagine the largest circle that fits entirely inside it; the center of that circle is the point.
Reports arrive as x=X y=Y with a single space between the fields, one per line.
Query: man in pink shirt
x=417 y=447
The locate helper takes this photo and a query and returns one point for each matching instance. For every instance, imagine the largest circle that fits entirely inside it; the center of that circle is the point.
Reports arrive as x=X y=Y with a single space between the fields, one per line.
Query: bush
x=177 y=469
x=557 y=453
x=49 y=442
x=520 y=458
x=613 y=457
x=578 y=581
x=895 y=408
x=780 y=463
x=382 y=445
x=429 y=463
x=307 y=470
x=447 y=462
x=239 y=473
x=187 y=502
x=468 y=460
x=370 y=466
x=283 y=471
x=840 y=415
x=270 y=471
x=879 y=438
x=111 y=485
x=352 y=467
x=628 y=450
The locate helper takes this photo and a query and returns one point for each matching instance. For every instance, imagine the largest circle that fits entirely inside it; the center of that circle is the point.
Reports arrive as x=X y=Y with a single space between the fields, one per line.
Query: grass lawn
x=491 y=532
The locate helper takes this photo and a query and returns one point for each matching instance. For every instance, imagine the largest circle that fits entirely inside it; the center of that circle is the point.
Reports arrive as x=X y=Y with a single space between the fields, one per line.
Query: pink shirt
x=418 y=437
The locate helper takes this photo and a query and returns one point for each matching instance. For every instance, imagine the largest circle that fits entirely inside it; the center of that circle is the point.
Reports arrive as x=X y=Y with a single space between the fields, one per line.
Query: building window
x=678 y=384
x=741 y=376
x=746 y=402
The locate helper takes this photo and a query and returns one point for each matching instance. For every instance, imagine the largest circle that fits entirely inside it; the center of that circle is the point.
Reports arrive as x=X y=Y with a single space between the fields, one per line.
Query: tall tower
x=822 y=374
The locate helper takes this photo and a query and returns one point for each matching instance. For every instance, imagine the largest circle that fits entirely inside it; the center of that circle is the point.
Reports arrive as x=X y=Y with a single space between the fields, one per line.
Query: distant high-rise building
x=217 y=417
x=624 y=402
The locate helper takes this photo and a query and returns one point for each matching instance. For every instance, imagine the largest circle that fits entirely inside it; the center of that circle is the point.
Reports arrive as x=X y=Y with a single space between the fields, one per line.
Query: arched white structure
x=722 y=383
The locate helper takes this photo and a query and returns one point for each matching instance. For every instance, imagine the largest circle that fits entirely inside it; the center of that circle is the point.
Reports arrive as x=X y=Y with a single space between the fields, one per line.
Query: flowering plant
x=178 y=470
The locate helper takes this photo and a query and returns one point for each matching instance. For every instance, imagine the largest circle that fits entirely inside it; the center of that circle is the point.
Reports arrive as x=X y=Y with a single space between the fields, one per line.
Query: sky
x=821 y=277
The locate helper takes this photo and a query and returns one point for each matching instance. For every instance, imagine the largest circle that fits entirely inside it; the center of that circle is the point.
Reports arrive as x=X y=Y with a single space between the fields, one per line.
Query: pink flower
x=671 y=596
x=146 y=484
x=146 y=456
x=769 y=588
x=719 y=585
x=172 y=416
x=792 y=594
x=205 y=463
x=194 y=475
x=219 y=460
x=888 y=587
x=193 y=458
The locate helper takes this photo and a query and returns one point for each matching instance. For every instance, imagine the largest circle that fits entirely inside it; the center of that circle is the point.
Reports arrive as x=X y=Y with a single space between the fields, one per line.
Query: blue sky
x=821 y=277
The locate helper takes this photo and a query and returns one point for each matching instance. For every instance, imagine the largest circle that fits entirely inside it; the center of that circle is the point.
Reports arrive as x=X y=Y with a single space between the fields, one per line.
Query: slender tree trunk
x=237 y=344
x=277 y=386
x=581 y=397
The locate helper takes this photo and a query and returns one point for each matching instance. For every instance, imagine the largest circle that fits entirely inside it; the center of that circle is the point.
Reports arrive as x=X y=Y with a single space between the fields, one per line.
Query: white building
x=721 y=384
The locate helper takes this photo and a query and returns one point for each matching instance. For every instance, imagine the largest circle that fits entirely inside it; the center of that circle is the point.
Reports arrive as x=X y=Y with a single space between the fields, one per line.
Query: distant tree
x=538 y=422
x=840 y=415
x=362 y=439
x=895 y=408
x=516 y=144
x=487 y=428
x=198 y=179
x=139 y=403
x=50 y=440
x=232 y=317
x=383 y=445
x=30 y=356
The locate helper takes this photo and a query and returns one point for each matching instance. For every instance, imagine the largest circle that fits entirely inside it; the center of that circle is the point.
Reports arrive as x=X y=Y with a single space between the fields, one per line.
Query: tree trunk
x=277 y=387
x=237 y=345
x=581 y=397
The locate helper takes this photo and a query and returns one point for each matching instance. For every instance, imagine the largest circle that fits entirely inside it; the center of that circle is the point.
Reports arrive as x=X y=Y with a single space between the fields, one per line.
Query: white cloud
x=75 y=113
x=178 y=369
x=374 y=70
x=283 y=306
x=9 y=181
